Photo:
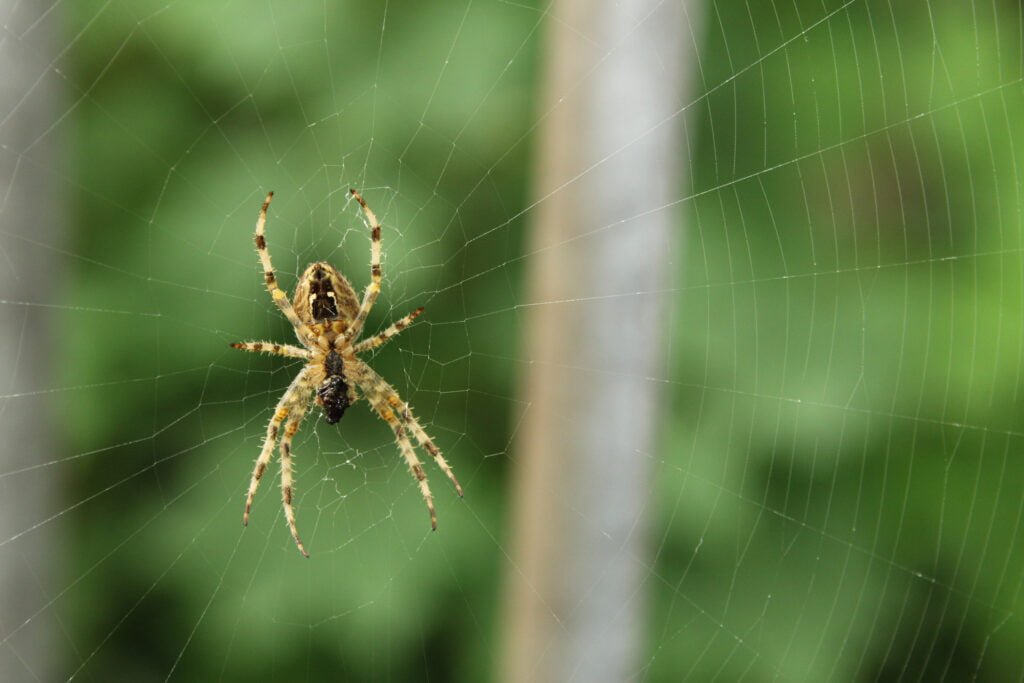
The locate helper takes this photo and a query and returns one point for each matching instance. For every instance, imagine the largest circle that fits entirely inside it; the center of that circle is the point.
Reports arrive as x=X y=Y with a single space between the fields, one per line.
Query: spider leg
x=383 y=337
x=372 y=289
x=386 y=402
x=415 y=466
x=374 y=384
x=270 y=347
x=287 y=486
x=292 y=396
x=276 y=293
x=402 y=408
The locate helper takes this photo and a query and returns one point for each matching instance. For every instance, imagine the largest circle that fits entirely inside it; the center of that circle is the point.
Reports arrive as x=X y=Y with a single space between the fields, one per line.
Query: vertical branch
x=604 y=252
x=29 y=210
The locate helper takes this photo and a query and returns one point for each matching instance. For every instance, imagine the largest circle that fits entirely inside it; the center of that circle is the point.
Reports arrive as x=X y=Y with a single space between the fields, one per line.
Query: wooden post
x=31 y=217
x=604 y=252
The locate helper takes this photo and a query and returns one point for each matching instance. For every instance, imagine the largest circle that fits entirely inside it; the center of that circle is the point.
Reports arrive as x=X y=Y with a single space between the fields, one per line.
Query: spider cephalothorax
x=333 y=394
x=328 y=320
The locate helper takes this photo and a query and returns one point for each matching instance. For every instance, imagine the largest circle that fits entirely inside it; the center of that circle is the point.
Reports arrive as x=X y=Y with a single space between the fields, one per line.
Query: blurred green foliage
x=838 y=491
x=841 y=487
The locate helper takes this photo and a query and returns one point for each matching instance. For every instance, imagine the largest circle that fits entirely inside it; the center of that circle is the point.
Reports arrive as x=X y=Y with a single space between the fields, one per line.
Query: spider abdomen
x=324 y=294
x=333 y=393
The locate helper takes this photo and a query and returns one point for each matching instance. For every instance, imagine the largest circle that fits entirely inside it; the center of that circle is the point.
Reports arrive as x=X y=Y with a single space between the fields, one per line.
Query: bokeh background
x=838 y=485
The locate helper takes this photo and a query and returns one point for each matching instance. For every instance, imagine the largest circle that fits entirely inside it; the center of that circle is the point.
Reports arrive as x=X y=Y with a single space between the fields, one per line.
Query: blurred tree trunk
x=30 y=217
x=604 y=251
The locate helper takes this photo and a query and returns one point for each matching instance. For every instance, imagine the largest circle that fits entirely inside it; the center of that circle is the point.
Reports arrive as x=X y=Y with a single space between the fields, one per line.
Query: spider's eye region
x=322 y=303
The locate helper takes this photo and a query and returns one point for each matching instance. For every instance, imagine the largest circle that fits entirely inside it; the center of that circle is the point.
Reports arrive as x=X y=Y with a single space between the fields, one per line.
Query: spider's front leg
x=402 y=408
x=387 y=396
x=293 y=404
x=287 y=486
x=386 y=403
x=405 y=446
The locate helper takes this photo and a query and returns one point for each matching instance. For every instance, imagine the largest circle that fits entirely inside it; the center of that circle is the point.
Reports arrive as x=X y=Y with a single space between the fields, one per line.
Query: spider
x=328 y=319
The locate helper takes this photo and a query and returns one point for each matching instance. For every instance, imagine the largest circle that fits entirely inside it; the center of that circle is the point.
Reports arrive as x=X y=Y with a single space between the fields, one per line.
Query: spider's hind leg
x=373 y=288
x=278 y=295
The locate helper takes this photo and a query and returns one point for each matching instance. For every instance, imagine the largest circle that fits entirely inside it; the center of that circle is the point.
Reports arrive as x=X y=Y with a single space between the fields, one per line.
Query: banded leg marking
x=372 y=289
x=295 y=398
x=386 y=335
x=287 y=480
x=422 y=437
x=276 y=293
x=404 y=445
x=286 y=350
x=264 y=459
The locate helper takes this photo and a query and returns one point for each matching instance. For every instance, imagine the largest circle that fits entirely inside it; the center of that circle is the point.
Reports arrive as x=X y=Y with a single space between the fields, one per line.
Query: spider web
x=838 y=474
